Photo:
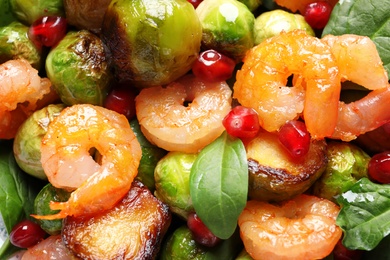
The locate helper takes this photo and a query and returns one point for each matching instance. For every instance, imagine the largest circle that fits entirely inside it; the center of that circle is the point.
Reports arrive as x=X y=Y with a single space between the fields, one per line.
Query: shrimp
x=370 y=112
x=173 y=126
x=66 y=159
x=301 y=228
x=22 y=92
x=261 y=82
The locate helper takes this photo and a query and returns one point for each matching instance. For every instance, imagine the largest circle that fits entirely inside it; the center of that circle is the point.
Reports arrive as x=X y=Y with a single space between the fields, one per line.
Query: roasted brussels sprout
x=151 y=155
x=227 y=27
x=347 y=164
x=41 y=207
x=6 y=14
x=78 y=69
x=133 y=229
x=252 y=4
x=86 y=14
x=274 y=175
x=27 y=142
x=28 y=11
x=273 y=22
x=151 y=42
x=172 y=181
x=15 y=44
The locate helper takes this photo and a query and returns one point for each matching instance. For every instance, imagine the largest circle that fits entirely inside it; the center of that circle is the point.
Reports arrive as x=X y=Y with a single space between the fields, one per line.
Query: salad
x=214 y=129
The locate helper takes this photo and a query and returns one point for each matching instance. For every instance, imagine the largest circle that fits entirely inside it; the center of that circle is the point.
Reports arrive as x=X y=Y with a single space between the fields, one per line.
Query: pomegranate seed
x=121 y=99
x=340 y=252
x=48 y=31
x=386 y=127
x=201 y=233
x=317 y=14
x=379 y=167
x=295 y=138
x=195 y=3
x=242 y=122
x=213 y=66
x=26 y=234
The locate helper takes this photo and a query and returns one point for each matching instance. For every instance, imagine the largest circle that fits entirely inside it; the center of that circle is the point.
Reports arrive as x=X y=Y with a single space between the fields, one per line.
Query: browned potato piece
x=274 y=175
x=133 y=229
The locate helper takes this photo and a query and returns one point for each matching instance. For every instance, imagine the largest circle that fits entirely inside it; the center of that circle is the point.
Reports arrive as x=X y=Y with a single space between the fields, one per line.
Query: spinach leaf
x=219 y=184
x=363 y=17
x=365 y=214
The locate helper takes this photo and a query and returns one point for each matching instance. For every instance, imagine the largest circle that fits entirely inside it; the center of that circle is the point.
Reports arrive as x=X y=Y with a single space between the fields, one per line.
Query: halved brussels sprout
x=252 y=4
x=28 y=11
x=273 y=22
x=15 y=44
x=151 y=42
x=27 y=142
x=78 y=69
x=347 y=164
x=172 y=180
x=227 y=27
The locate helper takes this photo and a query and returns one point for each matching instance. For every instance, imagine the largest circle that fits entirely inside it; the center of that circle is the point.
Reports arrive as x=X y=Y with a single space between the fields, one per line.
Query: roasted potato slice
x=274 y=175
x=133 y=229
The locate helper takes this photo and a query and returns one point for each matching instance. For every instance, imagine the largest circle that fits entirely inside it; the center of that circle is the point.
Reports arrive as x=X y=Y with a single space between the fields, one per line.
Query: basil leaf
x=365 y=214
x=363 y=17
x=219 y=184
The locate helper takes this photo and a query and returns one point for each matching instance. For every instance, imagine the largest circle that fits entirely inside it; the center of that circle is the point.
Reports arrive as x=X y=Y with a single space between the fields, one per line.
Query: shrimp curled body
x=22 y=91
x=66 y=159
x=261 y=82
x=303 y=228
x=170 y=124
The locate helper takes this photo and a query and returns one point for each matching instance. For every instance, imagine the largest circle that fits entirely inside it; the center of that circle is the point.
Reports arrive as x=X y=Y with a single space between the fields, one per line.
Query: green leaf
x=219 y=184
x=6 y=15
x=365 y=214
x=363 y=17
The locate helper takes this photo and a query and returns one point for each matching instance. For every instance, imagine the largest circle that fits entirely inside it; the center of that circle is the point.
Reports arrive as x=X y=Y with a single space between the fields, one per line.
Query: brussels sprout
x=15 y=44
x=78 y=69
x=172 y=177
x=6 y=15
x=151 y=155
x=28 y=11
x=271 y=23
x=244 y=255
x=42 y=207
x=347 y=164
x=252 y=4
x=27 y=142
x=227 y=27
x=151 y=42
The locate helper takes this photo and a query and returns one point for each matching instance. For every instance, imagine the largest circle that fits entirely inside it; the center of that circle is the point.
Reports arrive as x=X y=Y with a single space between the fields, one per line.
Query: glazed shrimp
x=261 y=83
x=68 y=164
x=303 y=228
x=169 y=124
x=372 y=111
x=22 y=91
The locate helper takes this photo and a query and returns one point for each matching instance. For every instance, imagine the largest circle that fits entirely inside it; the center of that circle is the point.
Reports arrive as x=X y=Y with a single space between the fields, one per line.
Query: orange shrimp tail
x=54 y=206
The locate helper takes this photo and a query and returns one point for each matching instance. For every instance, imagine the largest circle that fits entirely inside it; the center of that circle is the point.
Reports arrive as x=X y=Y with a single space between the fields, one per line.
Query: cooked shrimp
x=351 y=52
x=173 y=126
x=66 y=159
x=301 y=228
x=20 y=91
x=261 y=82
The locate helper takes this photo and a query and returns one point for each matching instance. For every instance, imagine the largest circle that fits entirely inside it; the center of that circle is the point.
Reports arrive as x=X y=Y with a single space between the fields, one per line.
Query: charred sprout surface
x=228 y=27
x=151 y=42
x=27 y=11
x=172 y=176
x=78 y=69
x=27 y=143
x=347 y=164
x=273 y=22
x=15 y=44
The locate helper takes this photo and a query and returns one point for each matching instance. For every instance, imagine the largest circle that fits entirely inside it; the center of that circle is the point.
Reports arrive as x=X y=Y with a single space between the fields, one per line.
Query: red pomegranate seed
x=213 y=66
x=295 y=138
x=340 y=252
x=48 y=30
x=201 y=233
x=242 y=122
x=317 y=14
x=26 y=234
x=379 y=168
x=195 y=3
x=122 y=100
